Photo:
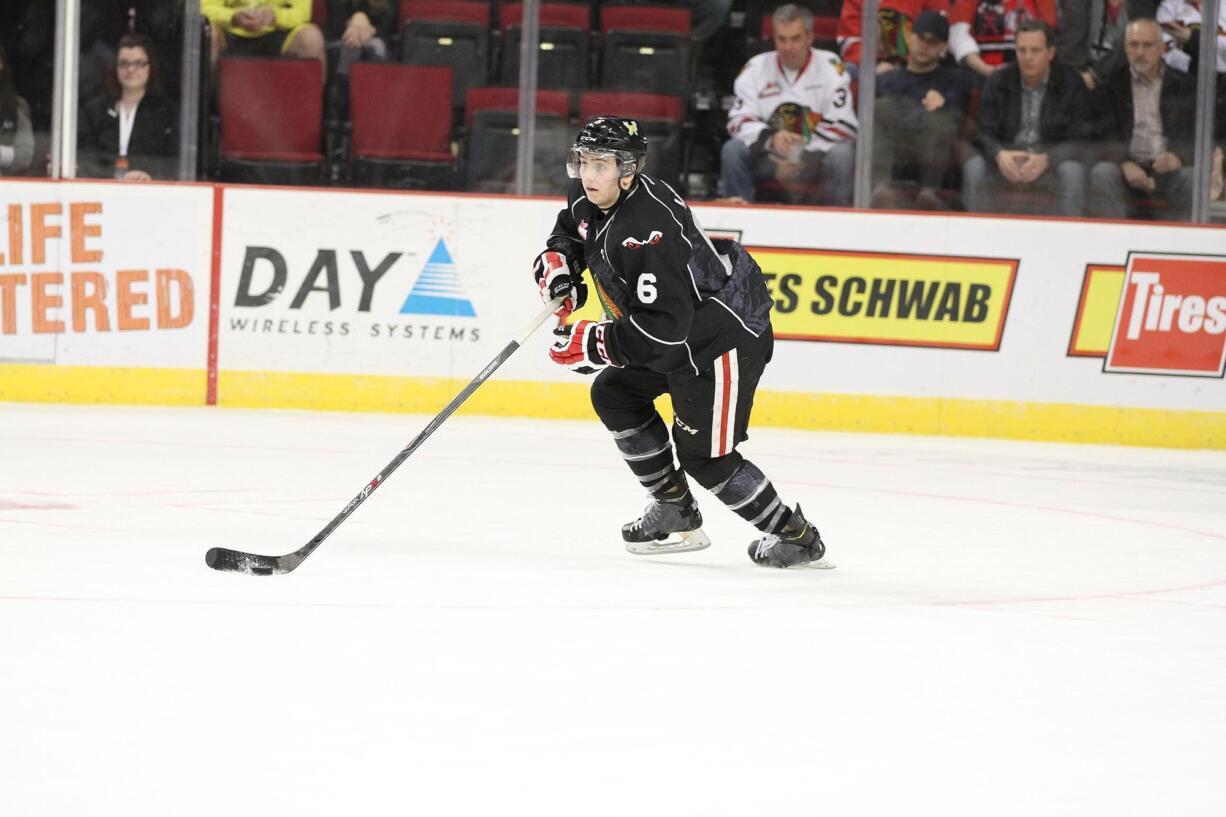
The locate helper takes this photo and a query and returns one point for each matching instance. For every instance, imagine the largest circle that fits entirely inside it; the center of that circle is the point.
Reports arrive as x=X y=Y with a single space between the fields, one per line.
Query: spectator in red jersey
x=894 y=19
x=982 y=32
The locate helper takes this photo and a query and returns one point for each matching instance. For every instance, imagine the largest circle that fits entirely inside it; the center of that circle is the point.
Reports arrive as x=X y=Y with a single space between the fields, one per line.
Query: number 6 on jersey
x=646 y=288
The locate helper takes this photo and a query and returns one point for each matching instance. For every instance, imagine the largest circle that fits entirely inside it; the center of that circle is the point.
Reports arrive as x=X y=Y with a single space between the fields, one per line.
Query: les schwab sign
x=1160 y=313
x=953 y=302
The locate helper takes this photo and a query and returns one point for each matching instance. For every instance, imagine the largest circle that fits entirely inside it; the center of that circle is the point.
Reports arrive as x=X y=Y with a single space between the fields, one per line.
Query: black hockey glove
x=581 y=348
x=559 y=276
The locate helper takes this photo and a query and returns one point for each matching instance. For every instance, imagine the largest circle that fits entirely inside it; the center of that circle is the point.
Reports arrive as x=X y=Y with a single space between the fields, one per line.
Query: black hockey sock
x=648 y=451
x=751 y=495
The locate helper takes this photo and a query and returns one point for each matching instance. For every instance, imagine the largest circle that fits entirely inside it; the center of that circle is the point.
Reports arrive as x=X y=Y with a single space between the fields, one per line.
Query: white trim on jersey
x=738 y=317
x=723 y=407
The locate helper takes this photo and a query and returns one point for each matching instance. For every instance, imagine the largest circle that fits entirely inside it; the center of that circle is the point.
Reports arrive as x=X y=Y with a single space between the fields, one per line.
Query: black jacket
x=677 y=300
x=1077 y=26
x=153 y=146
x=1064 y=123
x=1176 y=107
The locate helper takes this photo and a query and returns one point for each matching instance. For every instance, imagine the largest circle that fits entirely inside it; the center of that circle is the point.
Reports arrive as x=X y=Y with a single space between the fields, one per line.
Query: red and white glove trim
x=555 y=277
x=583 y=349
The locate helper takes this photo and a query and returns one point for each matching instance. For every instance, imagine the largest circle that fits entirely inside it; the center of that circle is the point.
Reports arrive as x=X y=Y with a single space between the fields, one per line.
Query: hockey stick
x=237 y=561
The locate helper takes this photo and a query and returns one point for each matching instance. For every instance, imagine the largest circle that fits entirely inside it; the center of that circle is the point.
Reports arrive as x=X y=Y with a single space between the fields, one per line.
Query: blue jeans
x=1111 y=197
x=1060 y=191
x=741 y=171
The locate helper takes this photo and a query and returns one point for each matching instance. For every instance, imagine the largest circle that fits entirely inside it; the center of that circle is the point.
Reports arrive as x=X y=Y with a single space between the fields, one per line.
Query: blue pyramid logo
x=438 y=290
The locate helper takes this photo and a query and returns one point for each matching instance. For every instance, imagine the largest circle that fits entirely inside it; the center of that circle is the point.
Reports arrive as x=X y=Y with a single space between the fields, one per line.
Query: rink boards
x=350 y=300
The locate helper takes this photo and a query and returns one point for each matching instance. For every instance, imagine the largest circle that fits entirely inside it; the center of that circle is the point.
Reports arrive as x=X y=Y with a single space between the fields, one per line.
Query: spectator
x=919 y=113
x=982 y=32
x=263 y=28
x=893 y=23
x=1091 y=35
x=359 y=29
x=130 y=130
x=1146 y=113
x=27 y=32
x=1181 y=22
x=16 y=133
x=793 y=122
x=356 y=30
x=1032 y=125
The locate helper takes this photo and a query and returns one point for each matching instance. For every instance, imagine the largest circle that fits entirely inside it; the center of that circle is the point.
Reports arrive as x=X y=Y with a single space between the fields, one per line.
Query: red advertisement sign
x=1172 y=316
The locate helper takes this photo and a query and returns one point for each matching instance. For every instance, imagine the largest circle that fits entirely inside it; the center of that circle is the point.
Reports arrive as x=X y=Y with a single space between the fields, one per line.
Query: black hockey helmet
x=610 y=135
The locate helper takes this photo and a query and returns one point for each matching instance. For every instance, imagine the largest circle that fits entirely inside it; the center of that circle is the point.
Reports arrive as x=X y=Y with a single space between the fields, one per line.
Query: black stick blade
x=235 y=561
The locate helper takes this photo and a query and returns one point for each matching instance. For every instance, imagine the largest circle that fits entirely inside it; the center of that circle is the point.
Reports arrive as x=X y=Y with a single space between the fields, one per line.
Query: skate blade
x=683 y=543
x=822 y=564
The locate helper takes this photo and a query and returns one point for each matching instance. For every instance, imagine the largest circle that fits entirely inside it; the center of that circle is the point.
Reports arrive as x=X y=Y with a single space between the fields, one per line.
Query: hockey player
x=684 y=316
x=793 y=124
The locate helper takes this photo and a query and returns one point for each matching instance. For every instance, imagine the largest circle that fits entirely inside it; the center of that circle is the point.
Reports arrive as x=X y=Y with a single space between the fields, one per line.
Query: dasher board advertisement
x=100 y=274
x=373 y=283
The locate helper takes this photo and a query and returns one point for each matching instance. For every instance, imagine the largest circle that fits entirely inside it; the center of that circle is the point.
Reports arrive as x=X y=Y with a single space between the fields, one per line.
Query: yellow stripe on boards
x=1052 y=422
x=1057 y=422
x=49 y=383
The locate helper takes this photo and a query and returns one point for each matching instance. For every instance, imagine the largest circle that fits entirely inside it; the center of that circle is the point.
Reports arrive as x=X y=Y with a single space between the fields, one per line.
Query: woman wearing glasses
x=130 y=131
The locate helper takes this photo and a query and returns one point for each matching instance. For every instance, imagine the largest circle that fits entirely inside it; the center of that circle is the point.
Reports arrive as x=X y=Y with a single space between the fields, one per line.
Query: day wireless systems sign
x=1158 y=314
x=938 y=301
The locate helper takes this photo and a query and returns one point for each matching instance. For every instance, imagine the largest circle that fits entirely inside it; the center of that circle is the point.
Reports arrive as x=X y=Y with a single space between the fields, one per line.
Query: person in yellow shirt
x=263 y=28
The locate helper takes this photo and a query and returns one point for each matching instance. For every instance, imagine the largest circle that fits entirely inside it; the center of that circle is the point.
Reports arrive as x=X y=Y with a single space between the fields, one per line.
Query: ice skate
x=798 y=544
x=667 y=526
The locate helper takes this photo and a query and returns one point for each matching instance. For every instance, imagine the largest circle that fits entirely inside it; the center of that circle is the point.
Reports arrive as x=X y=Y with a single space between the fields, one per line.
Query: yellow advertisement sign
x=888 y=298
x=1100 y=300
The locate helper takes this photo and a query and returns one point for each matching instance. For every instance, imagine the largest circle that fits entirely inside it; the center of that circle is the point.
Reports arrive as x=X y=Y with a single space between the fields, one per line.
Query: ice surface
x=1013 y=629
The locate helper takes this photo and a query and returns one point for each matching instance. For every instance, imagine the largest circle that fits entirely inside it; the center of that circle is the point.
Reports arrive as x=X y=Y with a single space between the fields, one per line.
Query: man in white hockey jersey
x=793 y=124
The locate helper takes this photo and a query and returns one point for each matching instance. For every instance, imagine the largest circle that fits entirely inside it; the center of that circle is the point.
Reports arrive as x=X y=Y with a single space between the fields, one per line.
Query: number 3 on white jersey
x=646 y=288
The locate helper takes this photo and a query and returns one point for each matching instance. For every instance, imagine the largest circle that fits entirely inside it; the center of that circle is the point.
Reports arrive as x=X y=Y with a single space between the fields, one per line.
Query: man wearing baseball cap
x=919 y=111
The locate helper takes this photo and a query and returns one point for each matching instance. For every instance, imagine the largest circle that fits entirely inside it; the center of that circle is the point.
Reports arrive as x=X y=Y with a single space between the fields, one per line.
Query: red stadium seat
x=823 y=32
x=562 y=59
x=491 y=147
x=271 y=119
x=401 y=117
x=661 y=117
x=646 y=48
x=454 y=33
x=556 y=103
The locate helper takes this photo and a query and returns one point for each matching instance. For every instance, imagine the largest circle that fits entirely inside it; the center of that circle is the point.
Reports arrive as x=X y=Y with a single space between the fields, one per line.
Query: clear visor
x=601 y=164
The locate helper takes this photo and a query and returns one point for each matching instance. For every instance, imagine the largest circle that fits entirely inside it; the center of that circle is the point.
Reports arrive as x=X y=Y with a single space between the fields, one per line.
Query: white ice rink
x=1013 y=629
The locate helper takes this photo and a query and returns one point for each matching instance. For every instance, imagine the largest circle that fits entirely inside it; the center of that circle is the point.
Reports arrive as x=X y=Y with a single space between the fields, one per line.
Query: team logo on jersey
x=1159 y=313
x=632 y=127
x=770 y=89
x=632 y=243
x=583 y=229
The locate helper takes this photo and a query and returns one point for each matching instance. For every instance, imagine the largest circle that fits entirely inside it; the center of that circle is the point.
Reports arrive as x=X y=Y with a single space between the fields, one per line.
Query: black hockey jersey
x=677 y=299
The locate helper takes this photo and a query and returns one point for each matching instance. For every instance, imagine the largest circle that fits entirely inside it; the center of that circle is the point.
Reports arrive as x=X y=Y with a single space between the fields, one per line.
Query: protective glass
x=627 y=165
